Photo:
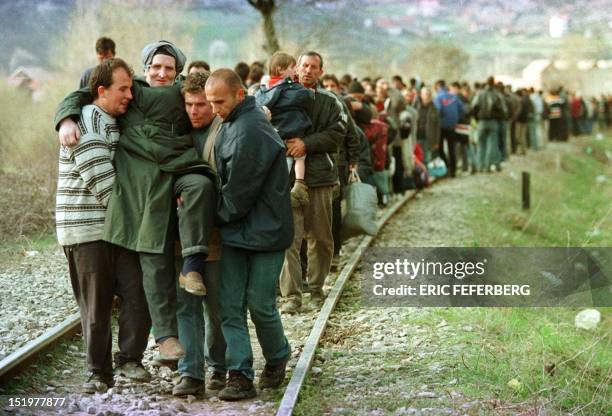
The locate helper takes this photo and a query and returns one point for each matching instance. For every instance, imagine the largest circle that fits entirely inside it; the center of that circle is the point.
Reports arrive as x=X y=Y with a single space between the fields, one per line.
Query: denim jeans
x=534 y=132
x=503 y=139
x=199 y=327
x=249 y=282
x=488 y=144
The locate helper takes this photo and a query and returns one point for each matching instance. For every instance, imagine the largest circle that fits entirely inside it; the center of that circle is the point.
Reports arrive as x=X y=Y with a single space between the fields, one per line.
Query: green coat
x=154 y=148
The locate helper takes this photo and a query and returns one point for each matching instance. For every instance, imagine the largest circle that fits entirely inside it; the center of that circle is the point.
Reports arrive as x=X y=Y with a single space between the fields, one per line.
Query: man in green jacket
x=313 y=222
x=199 y=323
x=155 y=162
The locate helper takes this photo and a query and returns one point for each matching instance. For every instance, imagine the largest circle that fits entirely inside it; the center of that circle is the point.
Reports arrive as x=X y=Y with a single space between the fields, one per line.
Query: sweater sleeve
x=93 y=160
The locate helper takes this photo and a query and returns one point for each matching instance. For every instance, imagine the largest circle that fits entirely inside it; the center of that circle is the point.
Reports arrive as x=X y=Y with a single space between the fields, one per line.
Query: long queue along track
x=20 y=360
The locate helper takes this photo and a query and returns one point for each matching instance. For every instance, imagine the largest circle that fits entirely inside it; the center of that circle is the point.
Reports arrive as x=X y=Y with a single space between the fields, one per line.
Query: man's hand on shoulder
x=69 y=133
x=267 y=112
x=296 y=147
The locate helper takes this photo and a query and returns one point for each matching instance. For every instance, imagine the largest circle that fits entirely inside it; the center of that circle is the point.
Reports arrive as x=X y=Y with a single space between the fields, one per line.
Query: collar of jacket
x=246 y=105
x=281 y=81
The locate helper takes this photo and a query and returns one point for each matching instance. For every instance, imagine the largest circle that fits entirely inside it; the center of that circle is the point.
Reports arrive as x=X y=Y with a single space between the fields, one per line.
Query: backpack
x=377 y=134
x=491 y=106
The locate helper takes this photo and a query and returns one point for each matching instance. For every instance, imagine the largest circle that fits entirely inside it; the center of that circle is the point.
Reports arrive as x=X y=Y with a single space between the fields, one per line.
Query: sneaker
x=96 y=383
x=133 y=370
x=217 y=381
x=188 y=386
x=170 y=349
x=299 y=194
x=291 y=306
x=238 y=387
x=317 y=298
x=272 y=376
x=193 y=283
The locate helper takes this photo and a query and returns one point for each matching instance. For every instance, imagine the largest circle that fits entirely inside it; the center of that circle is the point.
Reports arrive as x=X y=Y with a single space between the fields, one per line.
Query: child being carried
x=290 y=104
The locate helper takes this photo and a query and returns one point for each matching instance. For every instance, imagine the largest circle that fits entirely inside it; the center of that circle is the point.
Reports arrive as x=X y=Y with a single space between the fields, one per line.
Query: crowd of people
x=197 y=198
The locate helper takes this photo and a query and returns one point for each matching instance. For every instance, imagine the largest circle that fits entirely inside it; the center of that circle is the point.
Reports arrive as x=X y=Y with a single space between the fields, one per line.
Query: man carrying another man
x=155 y=161
x=99 y=269
x=254 y=216
x=199 y=324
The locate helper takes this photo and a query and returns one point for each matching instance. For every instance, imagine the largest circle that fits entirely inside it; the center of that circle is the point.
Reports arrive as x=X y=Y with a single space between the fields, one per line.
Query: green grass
x=478 y=351
x=525 y=344
x=569 y=207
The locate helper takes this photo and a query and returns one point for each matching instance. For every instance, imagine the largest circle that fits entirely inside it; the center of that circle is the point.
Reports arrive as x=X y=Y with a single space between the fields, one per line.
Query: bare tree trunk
x=266 y=8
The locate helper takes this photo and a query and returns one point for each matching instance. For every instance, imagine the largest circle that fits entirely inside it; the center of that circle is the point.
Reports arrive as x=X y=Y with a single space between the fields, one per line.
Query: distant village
x=516 y=18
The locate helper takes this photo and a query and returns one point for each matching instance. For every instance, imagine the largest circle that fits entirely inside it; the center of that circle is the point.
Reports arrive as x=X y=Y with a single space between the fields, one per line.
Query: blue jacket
x=254 y=207
x=291 y=105
x=450 y=108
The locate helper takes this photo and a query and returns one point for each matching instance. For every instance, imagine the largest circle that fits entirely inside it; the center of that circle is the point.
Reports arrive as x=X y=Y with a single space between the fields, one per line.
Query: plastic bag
x=361 y=207
x=436 y=168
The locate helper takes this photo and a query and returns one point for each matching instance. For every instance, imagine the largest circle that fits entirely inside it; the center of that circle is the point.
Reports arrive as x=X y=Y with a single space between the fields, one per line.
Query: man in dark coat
x=254 y=216
x=313 y=222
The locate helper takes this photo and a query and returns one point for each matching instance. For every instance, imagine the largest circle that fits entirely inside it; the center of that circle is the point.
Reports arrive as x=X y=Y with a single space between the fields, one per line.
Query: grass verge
x=486 y=360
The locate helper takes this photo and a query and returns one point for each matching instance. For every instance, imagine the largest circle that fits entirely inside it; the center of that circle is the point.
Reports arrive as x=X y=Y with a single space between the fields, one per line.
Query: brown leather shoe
x=272 y=376
x=193 y=283
x=217 y=381
x=238 y=387
x=170 y=349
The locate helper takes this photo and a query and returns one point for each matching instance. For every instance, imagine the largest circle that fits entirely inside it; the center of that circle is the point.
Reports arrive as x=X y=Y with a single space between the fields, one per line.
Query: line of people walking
x=198 y=199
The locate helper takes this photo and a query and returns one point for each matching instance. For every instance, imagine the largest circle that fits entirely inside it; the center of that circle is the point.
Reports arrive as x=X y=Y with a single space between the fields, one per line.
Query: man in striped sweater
x=98 y=269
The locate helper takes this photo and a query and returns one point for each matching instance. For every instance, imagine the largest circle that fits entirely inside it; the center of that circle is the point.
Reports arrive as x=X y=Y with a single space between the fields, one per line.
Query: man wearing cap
x=156 y=162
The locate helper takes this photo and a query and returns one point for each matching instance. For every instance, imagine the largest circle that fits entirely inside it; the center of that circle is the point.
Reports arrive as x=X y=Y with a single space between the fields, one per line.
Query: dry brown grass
x=27 y=204
x=28 y=164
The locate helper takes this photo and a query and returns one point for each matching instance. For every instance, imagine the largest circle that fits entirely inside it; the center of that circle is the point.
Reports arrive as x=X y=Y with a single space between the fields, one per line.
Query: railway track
x=19 y=360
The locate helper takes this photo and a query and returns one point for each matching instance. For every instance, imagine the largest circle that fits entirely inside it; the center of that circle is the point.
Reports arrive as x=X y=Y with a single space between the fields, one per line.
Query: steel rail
x=23 y=355
x=302 y=367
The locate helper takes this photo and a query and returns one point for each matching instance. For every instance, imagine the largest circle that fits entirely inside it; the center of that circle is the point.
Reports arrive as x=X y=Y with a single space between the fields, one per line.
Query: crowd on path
x=197 y=198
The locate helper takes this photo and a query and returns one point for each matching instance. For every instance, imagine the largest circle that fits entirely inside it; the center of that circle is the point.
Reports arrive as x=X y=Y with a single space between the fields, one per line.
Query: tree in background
x=267 y=8
x=127 y=22
x=433 y=60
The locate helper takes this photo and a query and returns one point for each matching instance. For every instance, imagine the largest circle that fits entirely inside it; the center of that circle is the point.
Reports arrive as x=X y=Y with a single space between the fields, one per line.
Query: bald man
x=254 y=215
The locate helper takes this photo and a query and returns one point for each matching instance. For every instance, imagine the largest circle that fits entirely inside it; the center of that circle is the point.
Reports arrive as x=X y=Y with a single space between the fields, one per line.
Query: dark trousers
x=199 y=327
x=248 y=283
x=195 y=224
x=98 y=271
x=337 y=209
x=398 y=176
x=196 y=213
x=450 y=137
